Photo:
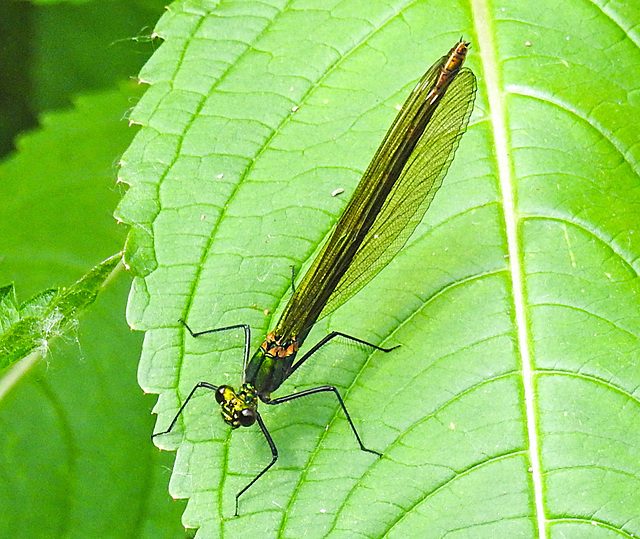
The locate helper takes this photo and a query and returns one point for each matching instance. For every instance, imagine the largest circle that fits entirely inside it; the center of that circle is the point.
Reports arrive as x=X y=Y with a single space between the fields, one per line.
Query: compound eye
x=221 y=394
x=247 y=417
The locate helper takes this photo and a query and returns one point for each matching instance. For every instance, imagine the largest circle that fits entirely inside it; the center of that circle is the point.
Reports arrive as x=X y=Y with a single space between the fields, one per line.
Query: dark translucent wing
x=400 y=179
x=413 y=192
x=316 y=286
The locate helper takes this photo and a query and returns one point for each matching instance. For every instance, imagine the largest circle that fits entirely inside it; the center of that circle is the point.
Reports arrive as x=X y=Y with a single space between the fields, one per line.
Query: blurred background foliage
x=76 y=458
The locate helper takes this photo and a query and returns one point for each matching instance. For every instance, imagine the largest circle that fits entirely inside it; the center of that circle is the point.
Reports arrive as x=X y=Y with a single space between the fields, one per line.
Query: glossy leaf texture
x=511 y=407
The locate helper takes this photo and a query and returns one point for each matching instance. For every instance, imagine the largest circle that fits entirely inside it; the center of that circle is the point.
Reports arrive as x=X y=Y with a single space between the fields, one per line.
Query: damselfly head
x=238 y=409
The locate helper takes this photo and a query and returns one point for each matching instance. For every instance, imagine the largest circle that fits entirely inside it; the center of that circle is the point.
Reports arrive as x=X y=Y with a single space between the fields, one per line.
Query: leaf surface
x=511 y=407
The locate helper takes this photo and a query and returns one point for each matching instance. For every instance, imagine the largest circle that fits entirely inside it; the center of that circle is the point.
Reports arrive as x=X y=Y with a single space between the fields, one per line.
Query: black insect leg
x=206 y=385
x=326 y=339
x=322 y=389
x=274 y=457
x=247 y=335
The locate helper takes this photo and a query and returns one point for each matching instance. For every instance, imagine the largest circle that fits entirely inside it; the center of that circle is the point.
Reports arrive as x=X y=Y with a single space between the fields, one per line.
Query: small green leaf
x=49 y=314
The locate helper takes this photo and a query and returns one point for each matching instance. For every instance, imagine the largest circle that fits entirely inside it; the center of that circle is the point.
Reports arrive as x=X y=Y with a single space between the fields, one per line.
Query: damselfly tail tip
x=462 y=44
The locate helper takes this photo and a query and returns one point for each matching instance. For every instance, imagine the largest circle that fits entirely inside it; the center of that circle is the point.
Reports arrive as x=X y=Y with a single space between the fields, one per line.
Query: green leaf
x=49 y=314
x=76 y=457
x=511 y=407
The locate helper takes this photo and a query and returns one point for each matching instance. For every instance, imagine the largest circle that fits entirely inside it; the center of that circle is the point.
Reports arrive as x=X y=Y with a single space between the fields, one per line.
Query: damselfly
x=389 y=202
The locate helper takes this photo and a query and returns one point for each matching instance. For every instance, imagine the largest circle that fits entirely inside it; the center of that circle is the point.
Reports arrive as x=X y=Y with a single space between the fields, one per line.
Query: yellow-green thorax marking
x=238 y=409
